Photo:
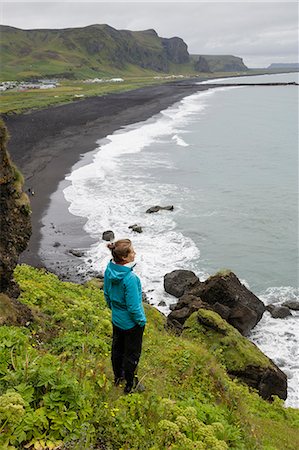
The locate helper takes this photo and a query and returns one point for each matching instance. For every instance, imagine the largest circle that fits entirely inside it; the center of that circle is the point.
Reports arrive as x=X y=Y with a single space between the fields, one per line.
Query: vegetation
x=56 y=387
x=234 y=350
x=14 y=102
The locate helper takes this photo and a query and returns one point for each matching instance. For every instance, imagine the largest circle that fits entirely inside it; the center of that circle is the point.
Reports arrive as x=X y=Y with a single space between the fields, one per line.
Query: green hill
x=99 y=51
x=96 y=50
x=56 y=389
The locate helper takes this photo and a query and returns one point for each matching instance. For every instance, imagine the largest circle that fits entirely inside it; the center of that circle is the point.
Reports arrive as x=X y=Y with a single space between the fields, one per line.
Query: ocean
x=227 y=160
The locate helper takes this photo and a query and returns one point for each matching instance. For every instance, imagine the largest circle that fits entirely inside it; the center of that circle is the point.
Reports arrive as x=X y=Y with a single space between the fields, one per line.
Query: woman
x=123 y=294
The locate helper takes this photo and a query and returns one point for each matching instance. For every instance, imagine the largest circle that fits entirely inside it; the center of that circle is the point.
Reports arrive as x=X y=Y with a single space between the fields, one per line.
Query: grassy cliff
x=56 y=386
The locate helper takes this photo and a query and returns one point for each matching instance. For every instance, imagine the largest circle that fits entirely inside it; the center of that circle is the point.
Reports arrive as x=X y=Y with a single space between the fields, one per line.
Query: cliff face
x=15 y=222
x=93 y=50
x=218 y=63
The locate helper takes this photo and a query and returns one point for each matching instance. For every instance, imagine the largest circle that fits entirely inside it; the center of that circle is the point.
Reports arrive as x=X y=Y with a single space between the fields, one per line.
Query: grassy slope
x=56 y=384
x=97 y=50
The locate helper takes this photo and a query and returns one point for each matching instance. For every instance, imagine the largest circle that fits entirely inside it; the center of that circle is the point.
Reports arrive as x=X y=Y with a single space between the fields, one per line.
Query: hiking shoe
x=136 y=387
x=118 y=381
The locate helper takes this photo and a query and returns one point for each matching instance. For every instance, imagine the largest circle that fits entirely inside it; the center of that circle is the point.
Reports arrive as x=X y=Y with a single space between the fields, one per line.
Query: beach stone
x=144 y=298
x=77 y=253
x=136 y=228
x=108 y=235
x=162 y=303
x=278 y=312
x=178 y=281
x=223 y=293
x=292 y=304
x=155 y=209
x=56 y=244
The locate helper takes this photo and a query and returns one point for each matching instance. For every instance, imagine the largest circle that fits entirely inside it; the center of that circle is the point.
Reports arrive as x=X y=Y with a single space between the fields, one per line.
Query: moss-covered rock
x=240 y=357
x=15 y=222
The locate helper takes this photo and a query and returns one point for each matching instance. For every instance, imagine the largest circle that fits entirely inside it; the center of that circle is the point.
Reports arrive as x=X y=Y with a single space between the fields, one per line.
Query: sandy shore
x=46 y=144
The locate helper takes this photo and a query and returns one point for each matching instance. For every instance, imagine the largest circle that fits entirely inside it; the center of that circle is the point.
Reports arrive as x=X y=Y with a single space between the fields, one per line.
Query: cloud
x=256 y=31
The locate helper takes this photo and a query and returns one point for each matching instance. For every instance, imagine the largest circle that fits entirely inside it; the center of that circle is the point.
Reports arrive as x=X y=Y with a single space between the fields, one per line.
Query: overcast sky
x=259 y=32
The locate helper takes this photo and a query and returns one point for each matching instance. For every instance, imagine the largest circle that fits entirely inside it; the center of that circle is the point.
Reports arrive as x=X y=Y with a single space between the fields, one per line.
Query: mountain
x=99 y=51
x=284 y=66
x=95 y=50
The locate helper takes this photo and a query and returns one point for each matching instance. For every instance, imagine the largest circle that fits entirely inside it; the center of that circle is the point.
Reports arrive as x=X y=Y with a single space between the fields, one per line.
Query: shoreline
x=46 y=144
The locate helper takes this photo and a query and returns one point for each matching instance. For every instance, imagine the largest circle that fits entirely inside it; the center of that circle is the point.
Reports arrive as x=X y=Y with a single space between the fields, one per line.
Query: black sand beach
x=45 y=145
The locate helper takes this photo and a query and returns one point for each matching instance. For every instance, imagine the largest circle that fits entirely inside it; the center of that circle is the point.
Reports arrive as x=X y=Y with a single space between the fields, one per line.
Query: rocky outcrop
x=223 y=293
x=241 y=358
x=15 y=218
x=108 y=235
x=278 y=312
x=219 y=63
x=179 y=281
x=157 y=208
x=176 y=50
x=137 y=228
x=202 y=65
x=292 y=304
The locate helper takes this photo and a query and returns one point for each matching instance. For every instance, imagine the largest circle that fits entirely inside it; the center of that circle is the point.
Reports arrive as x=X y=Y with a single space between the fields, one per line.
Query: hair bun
x=111 y=246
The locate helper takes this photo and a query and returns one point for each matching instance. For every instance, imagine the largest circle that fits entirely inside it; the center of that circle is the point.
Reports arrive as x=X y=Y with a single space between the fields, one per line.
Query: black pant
x=126 y=351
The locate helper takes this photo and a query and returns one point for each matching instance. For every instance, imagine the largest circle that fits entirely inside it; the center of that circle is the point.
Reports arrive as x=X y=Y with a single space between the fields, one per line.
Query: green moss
x=58 y=371
x=234 y=351
x=23 y=203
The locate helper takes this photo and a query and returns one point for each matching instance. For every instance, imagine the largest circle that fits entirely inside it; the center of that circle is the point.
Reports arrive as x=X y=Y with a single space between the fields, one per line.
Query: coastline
x=46 y=144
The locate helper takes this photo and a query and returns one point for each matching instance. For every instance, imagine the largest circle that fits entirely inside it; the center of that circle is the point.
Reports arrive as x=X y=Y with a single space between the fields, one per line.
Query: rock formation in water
x=241 y=358
x=223 y=293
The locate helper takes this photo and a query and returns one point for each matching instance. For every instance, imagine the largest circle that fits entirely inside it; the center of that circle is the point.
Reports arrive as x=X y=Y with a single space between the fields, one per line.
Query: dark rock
x=56 y=244
x=94 y=274
x=179 y=281
x=144 y=298
x=279 y=312
x=77 y=253
x=172 y=306
x=136 y=228
x=225 y=289
x=155 y=209
x=162 y=303
x=268 y=381
x=292 y=304
x=108 y=235
x=222 y=310
x=186 y=306
x=222 y=293
x=15 y=223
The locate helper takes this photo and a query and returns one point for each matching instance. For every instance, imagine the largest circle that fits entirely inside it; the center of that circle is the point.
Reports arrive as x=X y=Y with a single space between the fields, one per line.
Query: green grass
x=17 y=102
x=56 y=387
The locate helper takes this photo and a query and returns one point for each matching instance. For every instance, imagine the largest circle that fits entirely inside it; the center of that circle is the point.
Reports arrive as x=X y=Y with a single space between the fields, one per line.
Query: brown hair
x=120 y=249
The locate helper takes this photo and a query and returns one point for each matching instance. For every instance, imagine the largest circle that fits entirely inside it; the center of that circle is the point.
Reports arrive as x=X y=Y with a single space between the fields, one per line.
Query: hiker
x=123 y=294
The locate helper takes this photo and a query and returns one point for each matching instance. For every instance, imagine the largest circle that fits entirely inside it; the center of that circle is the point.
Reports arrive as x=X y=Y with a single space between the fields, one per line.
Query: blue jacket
x=123 y=294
